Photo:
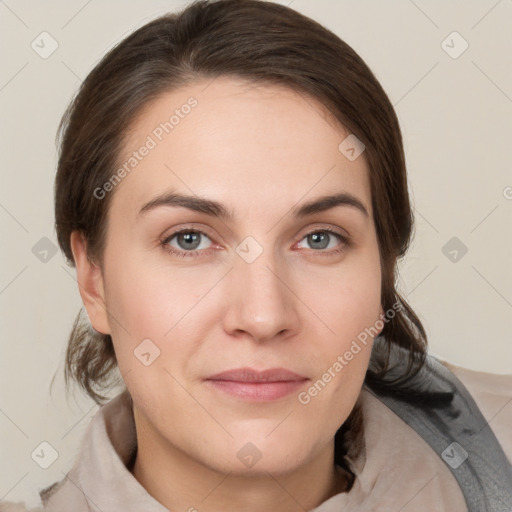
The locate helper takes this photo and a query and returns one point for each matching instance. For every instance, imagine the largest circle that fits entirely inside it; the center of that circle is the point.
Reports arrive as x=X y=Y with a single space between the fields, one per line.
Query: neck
x=181 y=483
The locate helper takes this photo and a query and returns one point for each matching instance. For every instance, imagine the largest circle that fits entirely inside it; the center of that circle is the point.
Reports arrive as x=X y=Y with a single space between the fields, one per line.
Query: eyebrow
x=216 y=209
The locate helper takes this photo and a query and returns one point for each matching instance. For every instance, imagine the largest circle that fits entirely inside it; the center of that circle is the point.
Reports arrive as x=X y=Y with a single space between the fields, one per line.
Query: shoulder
x=492 y=394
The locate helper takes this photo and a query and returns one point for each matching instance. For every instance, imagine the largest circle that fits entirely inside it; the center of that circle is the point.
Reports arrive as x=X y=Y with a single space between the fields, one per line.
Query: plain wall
x=456 y=119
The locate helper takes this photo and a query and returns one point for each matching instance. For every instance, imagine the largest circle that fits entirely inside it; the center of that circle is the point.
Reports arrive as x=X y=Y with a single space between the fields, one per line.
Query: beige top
x=397 y=470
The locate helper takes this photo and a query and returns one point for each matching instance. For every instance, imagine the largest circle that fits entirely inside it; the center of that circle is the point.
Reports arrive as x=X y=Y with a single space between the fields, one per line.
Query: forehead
x=240 y=143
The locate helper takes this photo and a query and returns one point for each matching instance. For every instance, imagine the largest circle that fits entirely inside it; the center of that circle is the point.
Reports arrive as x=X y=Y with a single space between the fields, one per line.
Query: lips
x=258 y=386
x=255 y=376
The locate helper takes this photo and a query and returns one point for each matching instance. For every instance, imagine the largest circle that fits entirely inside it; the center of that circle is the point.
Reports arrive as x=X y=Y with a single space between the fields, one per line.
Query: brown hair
x=263 y=42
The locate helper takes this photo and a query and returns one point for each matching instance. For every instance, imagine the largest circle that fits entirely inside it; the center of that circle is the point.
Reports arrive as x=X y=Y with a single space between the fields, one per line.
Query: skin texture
x=260 y=151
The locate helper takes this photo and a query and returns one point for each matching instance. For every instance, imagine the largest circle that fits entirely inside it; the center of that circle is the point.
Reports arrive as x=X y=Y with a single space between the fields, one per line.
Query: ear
x=90 y=284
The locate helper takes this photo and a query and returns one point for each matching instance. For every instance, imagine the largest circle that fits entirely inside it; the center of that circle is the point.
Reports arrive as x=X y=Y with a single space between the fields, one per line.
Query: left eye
x=321 y=239
x=187 y=240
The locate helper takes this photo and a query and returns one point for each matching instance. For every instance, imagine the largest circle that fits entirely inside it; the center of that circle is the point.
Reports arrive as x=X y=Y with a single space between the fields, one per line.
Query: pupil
x=189 y=238
x=321 y=238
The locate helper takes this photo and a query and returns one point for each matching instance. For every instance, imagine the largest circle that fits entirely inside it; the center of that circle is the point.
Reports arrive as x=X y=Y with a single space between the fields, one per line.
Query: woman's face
x=255 y=280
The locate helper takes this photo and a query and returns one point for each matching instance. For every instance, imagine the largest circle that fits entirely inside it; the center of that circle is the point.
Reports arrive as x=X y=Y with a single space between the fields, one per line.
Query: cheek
x=157 y=303
x=150 y=299
x=347 y=301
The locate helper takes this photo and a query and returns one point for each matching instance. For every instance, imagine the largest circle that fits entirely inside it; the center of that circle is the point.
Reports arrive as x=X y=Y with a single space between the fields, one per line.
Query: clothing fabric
x=439 y=408
x=397 y=469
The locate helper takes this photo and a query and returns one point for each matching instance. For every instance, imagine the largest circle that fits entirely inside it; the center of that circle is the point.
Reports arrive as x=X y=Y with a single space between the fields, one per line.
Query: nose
x=261 y=302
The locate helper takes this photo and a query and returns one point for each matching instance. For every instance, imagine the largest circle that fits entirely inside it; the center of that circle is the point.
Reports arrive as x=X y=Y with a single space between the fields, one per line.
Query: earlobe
x=90 y=284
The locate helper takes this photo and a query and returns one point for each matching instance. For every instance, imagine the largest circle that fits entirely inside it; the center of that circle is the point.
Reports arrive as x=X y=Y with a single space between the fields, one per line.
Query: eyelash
x=197 y=253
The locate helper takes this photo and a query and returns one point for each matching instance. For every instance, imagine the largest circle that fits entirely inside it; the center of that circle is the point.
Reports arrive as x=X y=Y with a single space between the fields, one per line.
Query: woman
x=232 y=190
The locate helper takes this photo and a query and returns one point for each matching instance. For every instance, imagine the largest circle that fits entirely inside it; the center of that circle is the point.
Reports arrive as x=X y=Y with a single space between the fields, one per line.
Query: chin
x=262 y=454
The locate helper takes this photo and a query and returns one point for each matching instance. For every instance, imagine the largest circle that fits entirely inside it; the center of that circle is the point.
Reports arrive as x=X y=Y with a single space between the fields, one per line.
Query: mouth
x=254 y=385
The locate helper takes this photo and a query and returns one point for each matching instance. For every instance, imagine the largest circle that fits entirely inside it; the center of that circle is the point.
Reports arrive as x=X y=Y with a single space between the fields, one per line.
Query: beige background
x=456 y=117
